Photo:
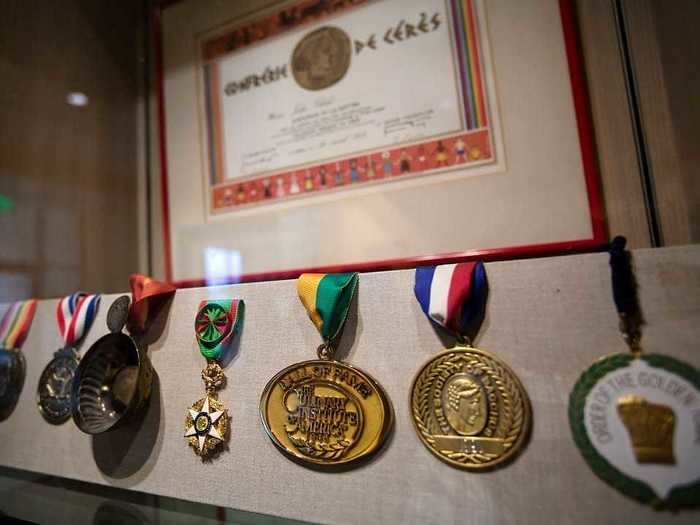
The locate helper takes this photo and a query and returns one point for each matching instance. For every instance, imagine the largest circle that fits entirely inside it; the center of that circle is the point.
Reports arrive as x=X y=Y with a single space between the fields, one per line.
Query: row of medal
x=634 y=417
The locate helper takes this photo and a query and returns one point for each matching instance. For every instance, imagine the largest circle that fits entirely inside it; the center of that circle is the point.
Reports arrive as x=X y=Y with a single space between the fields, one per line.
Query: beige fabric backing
x=548 y=318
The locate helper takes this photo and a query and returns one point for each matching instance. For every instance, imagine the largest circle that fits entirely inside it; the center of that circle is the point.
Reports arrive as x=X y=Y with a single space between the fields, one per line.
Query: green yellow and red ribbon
x=15 y=324
x=327 y=298
x=217 y=322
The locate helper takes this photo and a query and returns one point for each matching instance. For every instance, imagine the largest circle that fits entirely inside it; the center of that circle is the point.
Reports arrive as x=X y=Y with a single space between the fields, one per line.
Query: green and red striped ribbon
x=216 y=324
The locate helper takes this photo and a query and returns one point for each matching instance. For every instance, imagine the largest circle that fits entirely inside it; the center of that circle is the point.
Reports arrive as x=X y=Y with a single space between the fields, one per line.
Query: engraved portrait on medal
x=469 y=408
x=321 y=58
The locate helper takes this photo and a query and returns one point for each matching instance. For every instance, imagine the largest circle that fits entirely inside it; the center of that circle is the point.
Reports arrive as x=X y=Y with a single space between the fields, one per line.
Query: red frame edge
x=584 y=121
x=588 y=156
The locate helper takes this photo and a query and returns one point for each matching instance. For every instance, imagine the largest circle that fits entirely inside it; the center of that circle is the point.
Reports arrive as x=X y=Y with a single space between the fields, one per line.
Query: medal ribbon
x=327 y=298
x=145 y=293
x=217 y=322
x=74 y=315
x=452 y=295
x=15 y=324
x=624 y=287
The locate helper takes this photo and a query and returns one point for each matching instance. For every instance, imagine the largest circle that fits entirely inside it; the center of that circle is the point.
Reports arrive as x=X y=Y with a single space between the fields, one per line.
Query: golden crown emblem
x=650 y=426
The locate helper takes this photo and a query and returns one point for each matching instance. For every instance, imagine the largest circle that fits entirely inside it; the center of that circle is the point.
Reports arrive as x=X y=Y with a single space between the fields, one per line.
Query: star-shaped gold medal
x=206 y=425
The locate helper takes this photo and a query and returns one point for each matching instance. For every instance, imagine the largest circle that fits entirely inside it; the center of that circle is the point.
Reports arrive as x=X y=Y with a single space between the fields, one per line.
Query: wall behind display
x=661 y=42
x=68 y=174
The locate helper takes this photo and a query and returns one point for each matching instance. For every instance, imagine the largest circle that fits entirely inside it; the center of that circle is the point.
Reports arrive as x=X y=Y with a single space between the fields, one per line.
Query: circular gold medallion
x=470 y=409
x=325 y=412
x=321 y=58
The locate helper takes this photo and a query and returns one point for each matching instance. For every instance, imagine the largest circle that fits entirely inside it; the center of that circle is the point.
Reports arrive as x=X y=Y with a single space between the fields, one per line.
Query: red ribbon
x=146 y=295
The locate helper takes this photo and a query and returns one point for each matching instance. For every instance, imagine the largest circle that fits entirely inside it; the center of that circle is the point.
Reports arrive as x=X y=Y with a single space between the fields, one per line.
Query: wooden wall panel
x=71 y=172
x=665 y=56
x=619 y=169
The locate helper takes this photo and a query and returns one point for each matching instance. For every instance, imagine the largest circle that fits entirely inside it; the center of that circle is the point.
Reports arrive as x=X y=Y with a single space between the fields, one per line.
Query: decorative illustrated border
x=588 y=156
x=471 y=147
x=685 y=496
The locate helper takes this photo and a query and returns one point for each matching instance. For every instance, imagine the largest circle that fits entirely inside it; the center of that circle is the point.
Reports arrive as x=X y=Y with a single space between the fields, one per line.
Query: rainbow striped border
x=467 y=35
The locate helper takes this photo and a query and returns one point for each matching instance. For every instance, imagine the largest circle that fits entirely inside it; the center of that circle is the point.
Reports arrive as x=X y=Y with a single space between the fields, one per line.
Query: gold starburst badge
x=206 y=425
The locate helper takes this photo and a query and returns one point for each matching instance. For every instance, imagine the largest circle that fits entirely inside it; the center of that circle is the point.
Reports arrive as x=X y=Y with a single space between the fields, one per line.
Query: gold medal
x=324 y=412
x=468 y=407
x=207 y=422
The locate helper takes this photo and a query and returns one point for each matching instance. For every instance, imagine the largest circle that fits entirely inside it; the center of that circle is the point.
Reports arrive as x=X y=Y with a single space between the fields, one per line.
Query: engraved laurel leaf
x=512 y=416
x=320 y=450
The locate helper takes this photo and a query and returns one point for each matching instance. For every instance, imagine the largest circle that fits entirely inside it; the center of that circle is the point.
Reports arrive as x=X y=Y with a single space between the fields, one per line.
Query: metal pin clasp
x=631 y=332
x=463 y=340
x=325 y=351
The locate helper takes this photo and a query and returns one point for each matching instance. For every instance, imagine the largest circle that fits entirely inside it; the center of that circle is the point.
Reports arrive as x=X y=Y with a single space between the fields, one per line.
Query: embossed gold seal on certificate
x=322 y=411
x=634 y=416
x=321 y=58
x=469 y=408
x=207 y=421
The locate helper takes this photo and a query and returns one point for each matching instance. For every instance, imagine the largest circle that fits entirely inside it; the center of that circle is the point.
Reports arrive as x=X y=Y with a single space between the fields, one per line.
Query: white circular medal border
x=653 y=384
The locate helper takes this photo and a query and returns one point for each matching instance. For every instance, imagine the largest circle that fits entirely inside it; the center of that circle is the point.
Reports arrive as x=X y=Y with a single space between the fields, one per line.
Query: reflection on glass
x=77 y=99
x=222 y=266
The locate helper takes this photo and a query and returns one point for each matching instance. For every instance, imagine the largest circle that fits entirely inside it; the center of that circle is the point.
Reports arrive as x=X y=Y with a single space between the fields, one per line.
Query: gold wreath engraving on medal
x=470 y=409
x=325 y=412
x=321 y=58
x=207 y=420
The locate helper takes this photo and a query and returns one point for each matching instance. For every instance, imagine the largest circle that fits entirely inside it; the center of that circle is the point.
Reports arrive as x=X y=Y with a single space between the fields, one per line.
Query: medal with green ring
x=636 y=416
x=207 y=420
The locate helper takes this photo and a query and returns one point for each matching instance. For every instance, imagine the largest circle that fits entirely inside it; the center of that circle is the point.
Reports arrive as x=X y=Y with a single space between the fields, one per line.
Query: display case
x=343 y=261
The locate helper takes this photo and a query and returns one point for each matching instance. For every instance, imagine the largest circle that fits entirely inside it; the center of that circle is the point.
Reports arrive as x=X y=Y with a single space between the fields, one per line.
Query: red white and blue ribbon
x=452 y=295
x=75 y=314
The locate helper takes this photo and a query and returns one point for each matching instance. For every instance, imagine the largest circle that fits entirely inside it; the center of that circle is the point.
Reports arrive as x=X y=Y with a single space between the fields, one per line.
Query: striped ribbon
x=327 y=297
x=452 y=295
x=15 y=324
x=217 y=322
x=74 y=315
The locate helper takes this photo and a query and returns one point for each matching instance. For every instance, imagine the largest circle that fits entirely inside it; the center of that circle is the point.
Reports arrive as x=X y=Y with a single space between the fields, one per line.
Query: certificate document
x=326 y=96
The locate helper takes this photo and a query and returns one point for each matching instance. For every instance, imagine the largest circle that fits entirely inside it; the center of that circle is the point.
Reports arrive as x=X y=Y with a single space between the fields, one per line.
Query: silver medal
x=55 y=383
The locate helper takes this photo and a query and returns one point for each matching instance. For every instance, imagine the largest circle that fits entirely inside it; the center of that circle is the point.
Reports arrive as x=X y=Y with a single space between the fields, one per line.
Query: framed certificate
x=355 y=134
